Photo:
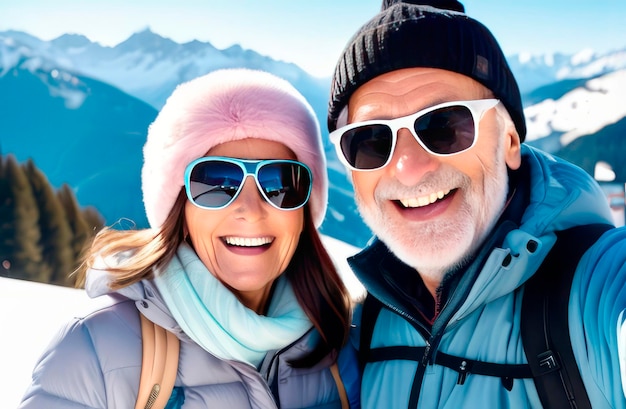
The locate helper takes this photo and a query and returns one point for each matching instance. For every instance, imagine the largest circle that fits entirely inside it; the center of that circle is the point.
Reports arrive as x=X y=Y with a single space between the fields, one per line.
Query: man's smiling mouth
x=424 y=200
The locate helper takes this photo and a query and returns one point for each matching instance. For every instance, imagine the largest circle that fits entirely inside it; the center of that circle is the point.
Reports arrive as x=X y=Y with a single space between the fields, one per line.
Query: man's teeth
x=248 y=241
x=424 y=200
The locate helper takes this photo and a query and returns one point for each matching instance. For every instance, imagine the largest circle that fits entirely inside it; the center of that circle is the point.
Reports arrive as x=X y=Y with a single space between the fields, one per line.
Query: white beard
x=435 y=247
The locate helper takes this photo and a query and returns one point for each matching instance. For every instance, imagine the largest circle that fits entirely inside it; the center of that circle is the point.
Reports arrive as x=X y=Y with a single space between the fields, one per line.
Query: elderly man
x=427 y=116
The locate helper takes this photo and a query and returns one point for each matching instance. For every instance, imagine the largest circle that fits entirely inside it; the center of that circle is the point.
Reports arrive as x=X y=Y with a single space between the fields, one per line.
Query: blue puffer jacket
x=480 y=314
x=95 y=362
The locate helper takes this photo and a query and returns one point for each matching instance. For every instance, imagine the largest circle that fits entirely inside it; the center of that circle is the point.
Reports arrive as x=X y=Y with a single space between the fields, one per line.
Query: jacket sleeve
x=68 y=374
x=93 y=362
x=598 y=302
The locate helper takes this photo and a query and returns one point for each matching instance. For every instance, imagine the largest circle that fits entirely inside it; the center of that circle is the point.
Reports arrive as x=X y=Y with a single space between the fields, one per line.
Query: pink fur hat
x=222 y=106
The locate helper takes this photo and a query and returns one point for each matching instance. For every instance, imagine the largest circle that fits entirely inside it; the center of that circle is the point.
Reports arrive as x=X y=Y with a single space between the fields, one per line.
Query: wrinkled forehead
x=405 y=91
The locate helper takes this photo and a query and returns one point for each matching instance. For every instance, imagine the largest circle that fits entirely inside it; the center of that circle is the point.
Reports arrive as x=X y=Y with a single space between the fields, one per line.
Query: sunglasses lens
x=287 y=185
x=368 y=146
x=213 y=184
x=446 y=130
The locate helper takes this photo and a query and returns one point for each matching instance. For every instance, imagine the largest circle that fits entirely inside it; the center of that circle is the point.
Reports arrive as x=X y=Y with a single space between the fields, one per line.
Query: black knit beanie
x=435 y=34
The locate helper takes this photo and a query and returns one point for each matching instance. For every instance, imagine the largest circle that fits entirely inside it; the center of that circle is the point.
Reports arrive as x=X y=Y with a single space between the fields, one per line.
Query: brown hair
x=311 y=271
x=146 y=249
x=320 y=291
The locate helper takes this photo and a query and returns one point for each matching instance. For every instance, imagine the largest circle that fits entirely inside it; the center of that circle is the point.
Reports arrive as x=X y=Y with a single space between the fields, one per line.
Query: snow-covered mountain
x=582 y=120
x=149 y=66
x=567 y=97
x=582 y=111
x=534 y=71
x=88 y=99
x=83 y=129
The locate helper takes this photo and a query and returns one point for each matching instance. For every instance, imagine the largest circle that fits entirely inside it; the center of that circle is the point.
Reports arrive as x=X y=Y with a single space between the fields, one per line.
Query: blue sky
x=312 y=33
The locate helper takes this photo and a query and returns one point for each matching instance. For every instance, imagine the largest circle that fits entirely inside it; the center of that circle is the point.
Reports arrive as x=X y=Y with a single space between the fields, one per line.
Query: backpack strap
x=464 y=366
x=370 y=310
x=544 y=320
x=160 y=349
x=343 y=396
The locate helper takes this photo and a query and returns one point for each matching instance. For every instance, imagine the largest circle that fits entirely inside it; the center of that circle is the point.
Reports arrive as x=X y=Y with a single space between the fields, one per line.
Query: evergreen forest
x=43 y=230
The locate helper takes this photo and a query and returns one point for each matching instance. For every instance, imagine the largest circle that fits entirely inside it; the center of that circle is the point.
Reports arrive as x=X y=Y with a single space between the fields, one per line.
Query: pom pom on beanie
x=223 y=106
x=422 y=33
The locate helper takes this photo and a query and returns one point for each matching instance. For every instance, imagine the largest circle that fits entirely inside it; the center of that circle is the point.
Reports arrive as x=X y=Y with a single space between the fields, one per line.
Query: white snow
x=582 y=111
x=340 y=251
x=583 y=57
x=32 y=313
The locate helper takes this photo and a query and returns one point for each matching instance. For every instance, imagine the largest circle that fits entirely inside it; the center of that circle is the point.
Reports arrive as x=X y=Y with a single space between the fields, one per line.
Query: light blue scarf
x=215 y=319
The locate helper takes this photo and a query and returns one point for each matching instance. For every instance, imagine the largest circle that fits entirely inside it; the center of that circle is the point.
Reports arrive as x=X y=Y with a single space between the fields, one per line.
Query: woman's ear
x=185 y=231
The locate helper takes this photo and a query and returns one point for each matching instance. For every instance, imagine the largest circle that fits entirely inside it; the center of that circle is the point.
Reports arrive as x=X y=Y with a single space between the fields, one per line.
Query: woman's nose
x=250 y=204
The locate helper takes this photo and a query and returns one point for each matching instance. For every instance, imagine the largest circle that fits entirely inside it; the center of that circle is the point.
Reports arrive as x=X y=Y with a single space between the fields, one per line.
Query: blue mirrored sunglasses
x=214 y=182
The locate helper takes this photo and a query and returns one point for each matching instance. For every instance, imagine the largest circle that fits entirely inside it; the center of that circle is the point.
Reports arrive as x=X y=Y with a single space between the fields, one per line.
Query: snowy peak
x=582 y=111
x=18 y=37
x=587 y=65
x=197 y=46
x=71 y=41
x=148 y=42
x=17 y=55
x=534 y=71
x=146 y=65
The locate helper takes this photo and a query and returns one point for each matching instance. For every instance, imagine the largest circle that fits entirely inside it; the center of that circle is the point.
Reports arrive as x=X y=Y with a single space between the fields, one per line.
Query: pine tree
x=56 y=235
x=20 y=251
x=81 y=230
x=94 y=219
x=95 y=222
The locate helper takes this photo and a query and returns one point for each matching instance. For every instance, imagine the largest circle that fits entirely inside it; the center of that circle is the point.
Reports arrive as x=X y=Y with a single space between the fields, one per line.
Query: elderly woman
x=232 y=268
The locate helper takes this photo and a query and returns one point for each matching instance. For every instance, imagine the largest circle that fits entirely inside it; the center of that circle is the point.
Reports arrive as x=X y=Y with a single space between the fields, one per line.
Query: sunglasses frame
x=477 y=108
x=250 y=167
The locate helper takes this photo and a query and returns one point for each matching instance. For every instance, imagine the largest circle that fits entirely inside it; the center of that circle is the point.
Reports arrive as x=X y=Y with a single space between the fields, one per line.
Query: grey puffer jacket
x=95 y=362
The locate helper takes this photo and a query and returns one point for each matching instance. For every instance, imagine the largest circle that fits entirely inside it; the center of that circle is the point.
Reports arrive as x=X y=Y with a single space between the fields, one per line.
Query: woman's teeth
x=248 y=241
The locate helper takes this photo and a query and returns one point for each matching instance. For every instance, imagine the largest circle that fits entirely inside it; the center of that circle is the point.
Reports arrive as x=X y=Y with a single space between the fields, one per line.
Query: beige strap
x=160 y=350
x=334 y=369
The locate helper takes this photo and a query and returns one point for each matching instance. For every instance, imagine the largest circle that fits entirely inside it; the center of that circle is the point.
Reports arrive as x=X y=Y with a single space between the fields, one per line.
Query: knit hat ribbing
x=407 y=35
x=223 y=106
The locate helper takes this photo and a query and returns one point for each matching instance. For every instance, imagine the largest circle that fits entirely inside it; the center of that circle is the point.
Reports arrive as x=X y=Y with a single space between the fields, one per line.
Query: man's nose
x=410 y=160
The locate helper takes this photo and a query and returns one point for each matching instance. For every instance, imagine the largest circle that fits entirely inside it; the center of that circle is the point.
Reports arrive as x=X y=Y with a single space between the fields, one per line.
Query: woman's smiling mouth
x=247 y=241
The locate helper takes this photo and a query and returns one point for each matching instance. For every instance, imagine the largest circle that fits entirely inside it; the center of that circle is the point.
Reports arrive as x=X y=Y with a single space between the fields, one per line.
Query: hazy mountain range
x=81 y=111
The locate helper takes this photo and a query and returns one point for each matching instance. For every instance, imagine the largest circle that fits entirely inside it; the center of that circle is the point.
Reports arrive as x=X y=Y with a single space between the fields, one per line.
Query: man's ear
x=512 y=147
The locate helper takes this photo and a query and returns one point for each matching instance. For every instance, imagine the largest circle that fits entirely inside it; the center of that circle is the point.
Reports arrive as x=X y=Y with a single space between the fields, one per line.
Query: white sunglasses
x=442 y=130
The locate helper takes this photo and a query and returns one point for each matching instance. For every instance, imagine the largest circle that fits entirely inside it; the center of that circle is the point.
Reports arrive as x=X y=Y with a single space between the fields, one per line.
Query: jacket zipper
x=423 y=363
